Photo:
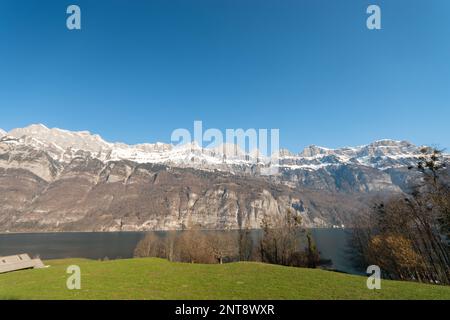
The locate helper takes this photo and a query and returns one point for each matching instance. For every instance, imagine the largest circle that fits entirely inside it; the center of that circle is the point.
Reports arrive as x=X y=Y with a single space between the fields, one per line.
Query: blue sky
x=140 y=69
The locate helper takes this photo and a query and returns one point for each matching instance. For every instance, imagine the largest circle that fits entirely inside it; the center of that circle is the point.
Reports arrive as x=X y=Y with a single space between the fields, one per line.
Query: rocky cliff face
x=56 y=180
x=89 y=195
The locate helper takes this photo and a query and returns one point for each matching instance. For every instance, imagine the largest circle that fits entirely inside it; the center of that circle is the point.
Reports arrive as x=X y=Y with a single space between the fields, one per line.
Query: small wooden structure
x=19 y=262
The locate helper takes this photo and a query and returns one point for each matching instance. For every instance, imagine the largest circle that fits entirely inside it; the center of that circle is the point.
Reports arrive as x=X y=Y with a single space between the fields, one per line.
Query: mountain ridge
x=58 y=180
x=64 y=144
x=28 y=130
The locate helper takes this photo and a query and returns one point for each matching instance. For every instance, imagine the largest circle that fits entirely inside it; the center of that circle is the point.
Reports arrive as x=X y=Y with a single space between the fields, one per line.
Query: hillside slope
x=156 y=279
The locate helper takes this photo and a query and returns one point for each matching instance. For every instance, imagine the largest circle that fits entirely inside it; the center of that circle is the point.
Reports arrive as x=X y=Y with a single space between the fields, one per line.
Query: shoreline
x=146 y=231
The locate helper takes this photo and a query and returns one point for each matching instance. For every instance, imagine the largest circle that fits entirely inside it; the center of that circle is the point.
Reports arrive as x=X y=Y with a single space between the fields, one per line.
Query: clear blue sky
x=140 y=69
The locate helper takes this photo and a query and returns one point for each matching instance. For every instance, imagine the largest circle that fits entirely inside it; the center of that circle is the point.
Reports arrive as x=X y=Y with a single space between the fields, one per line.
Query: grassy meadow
x=156 y=279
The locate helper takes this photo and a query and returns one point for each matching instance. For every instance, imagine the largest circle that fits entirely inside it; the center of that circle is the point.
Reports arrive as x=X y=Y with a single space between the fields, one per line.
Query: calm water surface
x=332 y=244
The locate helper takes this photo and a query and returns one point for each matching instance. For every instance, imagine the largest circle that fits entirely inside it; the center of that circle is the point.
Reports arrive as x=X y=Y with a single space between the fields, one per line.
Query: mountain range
x=60 y=180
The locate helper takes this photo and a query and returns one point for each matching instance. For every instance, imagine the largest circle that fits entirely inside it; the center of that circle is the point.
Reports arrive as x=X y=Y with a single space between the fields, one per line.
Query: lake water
x=332 y=244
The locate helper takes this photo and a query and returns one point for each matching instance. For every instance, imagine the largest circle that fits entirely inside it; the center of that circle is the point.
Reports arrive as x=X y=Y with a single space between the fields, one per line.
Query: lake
x=332 y=244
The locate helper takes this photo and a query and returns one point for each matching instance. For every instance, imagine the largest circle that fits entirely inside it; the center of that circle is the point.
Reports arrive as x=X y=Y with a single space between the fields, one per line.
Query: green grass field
x=160 y=279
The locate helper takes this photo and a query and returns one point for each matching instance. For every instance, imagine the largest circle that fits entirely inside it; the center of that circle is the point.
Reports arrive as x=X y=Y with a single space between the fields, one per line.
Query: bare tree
x=222 y=245
x=405 y=235
x=150 y=246
x=192 y=247
x=281 y=240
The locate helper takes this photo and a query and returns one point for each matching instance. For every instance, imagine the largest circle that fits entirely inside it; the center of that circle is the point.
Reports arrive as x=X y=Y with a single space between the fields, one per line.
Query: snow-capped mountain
x=59 y=180
x=63 y=145
x=382 y=154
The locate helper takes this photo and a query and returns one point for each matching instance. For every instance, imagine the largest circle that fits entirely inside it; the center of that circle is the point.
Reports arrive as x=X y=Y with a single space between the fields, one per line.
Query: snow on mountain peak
x=313 y=151
x=63 y=139
x=382 y=146
x=64 y=145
